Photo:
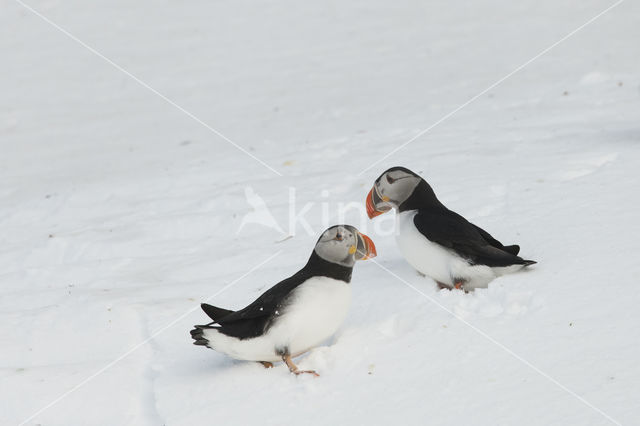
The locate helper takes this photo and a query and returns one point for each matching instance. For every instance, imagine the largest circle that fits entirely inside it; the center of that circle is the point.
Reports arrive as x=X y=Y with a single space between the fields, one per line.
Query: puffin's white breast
x=315 y=311
x=427 y=257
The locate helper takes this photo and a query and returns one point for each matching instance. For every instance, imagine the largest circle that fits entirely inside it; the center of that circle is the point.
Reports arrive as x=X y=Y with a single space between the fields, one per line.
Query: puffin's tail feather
x=214 y=312
x=529 y=262
x=197 y=334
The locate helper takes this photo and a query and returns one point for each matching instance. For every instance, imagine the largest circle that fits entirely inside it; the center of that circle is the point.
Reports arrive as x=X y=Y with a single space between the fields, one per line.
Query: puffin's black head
x=391 y=189
x=344 y=244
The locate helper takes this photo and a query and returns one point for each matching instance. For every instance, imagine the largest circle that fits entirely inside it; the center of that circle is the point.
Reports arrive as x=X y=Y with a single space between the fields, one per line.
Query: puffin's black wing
x=453 y=231
x=252 y=320
x=513 y=249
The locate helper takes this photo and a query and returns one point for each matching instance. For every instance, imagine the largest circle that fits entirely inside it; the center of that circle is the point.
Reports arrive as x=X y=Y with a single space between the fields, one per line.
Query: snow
x=120 y=212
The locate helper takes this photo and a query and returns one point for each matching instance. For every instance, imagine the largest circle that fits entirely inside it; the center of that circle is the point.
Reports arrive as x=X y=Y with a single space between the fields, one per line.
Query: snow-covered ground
x=119 y=212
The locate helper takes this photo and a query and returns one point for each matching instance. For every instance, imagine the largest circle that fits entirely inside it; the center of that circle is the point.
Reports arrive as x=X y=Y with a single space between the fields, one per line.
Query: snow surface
x=119 y=212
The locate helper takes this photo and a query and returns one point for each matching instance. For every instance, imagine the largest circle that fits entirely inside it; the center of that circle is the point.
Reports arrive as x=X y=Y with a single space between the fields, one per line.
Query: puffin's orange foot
x=460 y=286
x=298 y=372
x=294 y=368
x=266 y=364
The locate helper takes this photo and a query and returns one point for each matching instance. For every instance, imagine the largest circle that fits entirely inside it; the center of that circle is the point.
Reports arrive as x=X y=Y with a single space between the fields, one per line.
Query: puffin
x=437 y=242
x=298 y=313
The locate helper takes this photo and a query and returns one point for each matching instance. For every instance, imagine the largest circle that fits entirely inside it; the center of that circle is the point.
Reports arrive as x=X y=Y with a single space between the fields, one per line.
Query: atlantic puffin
x=296 y=314
x=436 y=241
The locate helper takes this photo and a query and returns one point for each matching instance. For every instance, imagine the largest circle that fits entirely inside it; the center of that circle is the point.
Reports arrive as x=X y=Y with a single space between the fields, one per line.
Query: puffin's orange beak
x=370 y=248
x=371 y=207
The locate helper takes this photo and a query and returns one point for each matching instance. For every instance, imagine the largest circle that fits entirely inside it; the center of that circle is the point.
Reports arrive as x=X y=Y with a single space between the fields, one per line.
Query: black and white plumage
x=436 y=241
x=296 y=314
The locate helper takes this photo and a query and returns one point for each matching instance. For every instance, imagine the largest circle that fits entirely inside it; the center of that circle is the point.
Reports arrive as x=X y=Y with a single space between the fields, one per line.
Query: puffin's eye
x=390 y=179
x=339 y=237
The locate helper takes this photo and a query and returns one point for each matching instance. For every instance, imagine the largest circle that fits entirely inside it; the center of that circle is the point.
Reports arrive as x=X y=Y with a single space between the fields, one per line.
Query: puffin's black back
x=256 y=318
x=449 y=229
